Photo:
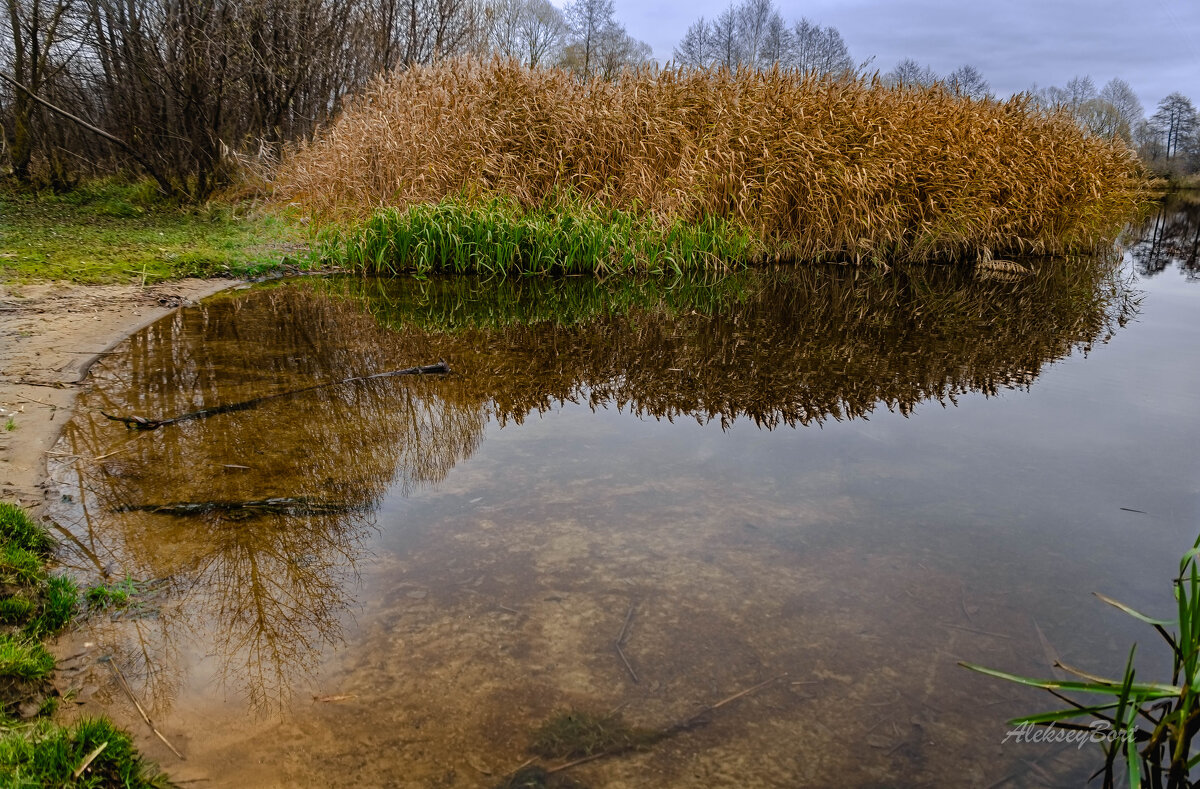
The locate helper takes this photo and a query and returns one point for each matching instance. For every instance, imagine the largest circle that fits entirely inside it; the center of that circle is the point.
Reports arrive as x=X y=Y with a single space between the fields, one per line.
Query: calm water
x=846 y=481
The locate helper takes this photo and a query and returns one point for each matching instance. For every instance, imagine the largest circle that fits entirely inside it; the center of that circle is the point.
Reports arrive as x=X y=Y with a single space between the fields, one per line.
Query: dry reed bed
x=815 y=169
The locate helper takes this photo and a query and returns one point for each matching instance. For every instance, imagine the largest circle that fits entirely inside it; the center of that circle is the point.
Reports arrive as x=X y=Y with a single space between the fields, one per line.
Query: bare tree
x=819 y=50
x=542 y=29
x=1079 y=91
x=778 y=44
x=696 y=48
x=909 y=73
x=753 y=17
x=1125 y=102
x=727 y=44
x=968 y=81
x=617 y=50
x=38 y=38
x=589 y=20
x=1176 y=122
x=1103 y=119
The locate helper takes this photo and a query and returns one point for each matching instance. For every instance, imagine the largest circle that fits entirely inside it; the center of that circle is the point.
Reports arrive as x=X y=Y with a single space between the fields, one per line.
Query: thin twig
x=625 y=627
x=633 y=674
x=976 y=630
x=145 y=717
x=621 y=640
x=39 y=402
x=745 y=692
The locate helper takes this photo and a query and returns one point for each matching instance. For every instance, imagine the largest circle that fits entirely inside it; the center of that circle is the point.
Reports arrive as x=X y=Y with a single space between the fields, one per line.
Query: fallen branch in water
x=141 y=423
x=129 y=691
x=285 y=505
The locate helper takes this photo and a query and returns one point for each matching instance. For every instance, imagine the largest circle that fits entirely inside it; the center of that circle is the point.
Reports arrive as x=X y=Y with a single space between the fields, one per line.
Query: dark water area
x=841 y=480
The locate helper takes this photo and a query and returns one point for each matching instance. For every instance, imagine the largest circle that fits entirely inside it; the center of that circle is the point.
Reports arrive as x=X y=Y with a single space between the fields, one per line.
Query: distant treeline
x=192 y=92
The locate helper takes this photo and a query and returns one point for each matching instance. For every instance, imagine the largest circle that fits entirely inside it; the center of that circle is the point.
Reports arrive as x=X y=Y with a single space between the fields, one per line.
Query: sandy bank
x=49 y=335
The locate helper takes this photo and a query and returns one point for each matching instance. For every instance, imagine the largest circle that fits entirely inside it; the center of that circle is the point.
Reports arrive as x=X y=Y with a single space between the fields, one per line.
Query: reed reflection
x=263 y=574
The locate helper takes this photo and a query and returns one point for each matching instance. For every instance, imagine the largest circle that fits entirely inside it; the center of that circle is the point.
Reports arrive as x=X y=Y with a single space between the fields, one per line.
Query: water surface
x=842 y=479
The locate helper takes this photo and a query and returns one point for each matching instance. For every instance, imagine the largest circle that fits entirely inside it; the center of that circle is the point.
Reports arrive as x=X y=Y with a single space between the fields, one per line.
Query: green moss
x=46 y=755
x=113 y=232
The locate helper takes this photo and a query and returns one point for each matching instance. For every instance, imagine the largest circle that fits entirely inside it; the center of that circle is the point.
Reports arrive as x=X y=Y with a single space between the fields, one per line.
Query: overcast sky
x=1154 y=45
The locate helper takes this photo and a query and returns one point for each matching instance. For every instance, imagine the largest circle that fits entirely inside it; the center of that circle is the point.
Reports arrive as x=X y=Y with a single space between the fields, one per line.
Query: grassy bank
x=560 y=237
x=752 y=165
x=115 y=232
x=34 y=751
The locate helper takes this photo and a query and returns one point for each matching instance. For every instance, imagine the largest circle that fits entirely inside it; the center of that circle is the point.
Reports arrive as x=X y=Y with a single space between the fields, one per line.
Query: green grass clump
x=23 y=659
x=45 y=755
x=19 y=567
x=41 y=753
x=563 y=236
x=19 y=530
x=59 y=598
x=111 y=232
x=14 y=610
x=116 y=595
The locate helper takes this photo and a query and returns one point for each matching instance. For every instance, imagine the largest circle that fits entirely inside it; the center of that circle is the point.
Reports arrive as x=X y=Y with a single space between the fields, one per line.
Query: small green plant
x=10 y=424
x=116 y=595
x=1152 y=724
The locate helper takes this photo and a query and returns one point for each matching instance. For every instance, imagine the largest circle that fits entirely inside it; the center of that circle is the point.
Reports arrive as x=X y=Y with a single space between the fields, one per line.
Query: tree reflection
x=1169 y=236
x=266 y=590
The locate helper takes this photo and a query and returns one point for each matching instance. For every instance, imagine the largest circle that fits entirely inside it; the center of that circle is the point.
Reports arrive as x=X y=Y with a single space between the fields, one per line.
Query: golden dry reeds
x=814 y=168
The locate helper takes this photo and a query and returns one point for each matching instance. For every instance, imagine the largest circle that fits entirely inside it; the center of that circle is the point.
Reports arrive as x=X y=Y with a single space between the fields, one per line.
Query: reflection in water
x=264 y=592
x=1171 y=235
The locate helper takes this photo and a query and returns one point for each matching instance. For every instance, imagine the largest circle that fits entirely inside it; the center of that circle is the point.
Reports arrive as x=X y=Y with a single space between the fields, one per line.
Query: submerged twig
x=682 y=726
x=142 y=423
x=136 y=703
x=621 y=640
x=285 y=505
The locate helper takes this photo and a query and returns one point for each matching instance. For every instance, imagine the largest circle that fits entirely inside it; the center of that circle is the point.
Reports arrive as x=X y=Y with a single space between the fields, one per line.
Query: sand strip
x=50 y=334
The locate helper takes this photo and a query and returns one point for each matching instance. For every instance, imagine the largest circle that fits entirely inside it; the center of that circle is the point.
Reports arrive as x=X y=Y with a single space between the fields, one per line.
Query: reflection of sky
x=1154 y=45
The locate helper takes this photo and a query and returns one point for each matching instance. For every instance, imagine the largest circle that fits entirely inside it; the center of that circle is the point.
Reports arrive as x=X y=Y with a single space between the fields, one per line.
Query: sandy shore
x=50 y=333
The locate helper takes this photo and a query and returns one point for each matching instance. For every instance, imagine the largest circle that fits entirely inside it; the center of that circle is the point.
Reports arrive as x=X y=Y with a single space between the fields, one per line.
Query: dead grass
x=818 y=168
